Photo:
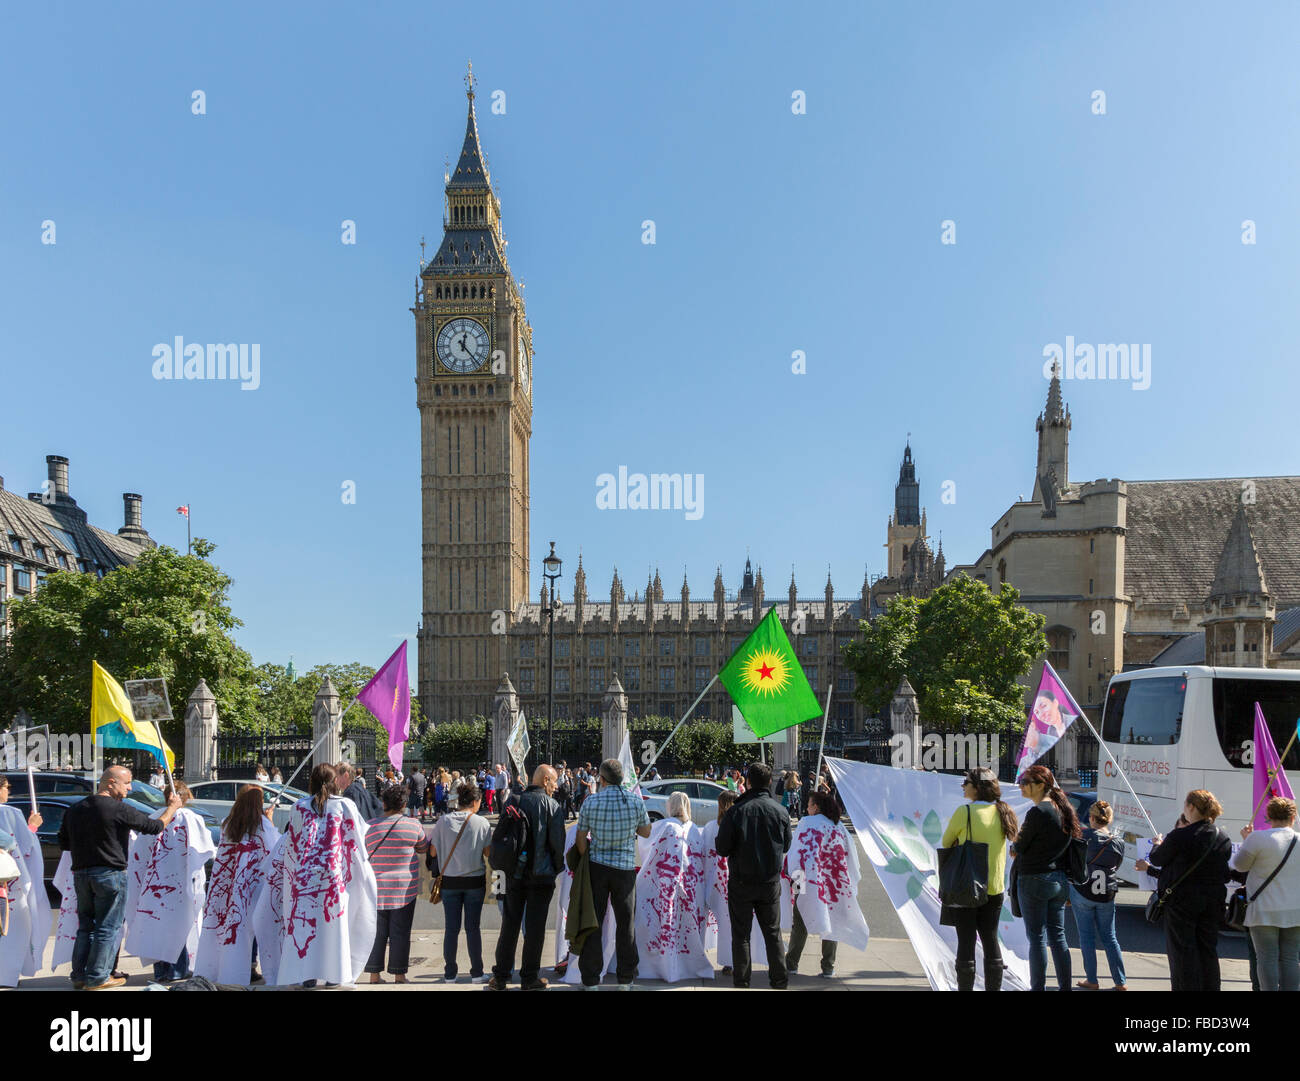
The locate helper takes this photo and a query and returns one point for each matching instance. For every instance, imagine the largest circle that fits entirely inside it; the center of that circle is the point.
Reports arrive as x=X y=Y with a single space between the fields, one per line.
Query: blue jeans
x=1042 y=902
x=1278 y=953
x=101 y=907
x=468 y=903
x=1096 y=920
x=174 y=970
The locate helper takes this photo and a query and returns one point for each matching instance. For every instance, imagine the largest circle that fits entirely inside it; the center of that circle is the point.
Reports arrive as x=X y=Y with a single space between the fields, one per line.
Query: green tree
x=456 y=744
x=964 y=650
x=165 y=615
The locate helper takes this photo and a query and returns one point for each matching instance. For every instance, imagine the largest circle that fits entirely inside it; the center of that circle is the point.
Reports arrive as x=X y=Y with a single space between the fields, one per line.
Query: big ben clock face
x=525 y=374
x=463 y=345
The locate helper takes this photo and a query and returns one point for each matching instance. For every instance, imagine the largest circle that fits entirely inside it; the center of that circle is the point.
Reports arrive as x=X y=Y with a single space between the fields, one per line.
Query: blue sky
x=776 y=232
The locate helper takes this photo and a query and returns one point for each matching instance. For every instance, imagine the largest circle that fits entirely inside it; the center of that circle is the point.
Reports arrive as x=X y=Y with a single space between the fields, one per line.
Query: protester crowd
x=332 y=898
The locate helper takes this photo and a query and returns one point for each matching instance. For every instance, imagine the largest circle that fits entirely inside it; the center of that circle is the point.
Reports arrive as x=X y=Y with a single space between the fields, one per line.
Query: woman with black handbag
x=985 y=821
x=1272 y=916
x=1193 y=864
x=1042 y=855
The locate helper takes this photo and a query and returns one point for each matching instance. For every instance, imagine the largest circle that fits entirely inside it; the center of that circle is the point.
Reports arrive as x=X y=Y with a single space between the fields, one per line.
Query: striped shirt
x=394 y=857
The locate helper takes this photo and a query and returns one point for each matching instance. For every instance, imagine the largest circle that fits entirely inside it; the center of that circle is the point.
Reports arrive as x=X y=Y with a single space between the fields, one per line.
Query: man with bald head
x=97 y=833
x=529 y=889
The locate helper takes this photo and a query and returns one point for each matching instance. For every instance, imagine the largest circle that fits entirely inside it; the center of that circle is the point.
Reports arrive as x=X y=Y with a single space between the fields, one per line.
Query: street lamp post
x=551 y=571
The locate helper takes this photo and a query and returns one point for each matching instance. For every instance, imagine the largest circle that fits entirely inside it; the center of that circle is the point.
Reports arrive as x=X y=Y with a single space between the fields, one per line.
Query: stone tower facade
x=473 y=382
x=1052 y=474
x=906 y=525
x=1239 y=612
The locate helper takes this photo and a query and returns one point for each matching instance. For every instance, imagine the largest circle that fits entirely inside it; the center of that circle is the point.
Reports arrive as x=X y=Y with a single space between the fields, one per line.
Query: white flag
x=900 y=815
x=629 y=767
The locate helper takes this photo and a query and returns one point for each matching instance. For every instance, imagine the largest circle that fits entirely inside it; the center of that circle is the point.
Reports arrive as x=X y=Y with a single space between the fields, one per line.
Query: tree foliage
x=165 y=615
x=964 y=650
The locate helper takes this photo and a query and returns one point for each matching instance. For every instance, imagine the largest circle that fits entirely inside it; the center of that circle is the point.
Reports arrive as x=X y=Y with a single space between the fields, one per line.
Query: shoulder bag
x=964 y=871
x=435 y=894
x=1155 y=910
x=1235 y=915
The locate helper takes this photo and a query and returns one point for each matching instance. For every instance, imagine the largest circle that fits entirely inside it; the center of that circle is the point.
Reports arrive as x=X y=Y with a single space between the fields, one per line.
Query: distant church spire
x=1052 y=473
x=907 y=493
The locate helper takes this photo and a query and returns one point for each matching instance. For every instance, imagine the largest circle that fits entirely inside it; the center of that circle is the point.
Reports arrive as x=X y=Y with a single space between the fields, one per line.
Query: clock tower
x=473 y=383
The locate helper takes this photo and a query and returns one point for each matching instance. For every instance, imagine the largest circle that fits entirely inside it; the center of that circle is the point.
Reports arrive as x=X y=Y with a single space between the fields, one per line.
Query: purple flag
x=1054 y=711
x=1269 y=777
x=388 y=697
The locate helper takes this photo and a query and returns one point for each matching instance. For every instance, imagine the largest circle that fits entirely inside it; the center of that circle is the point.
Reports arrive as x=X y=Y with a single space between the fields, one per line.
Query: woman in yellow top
x=992 y=823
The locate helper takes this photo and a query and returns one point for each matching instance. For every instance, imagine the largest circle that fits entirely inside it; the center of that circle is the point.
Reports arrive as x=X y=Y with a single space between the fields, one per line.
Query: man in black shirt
x=754 y=836
x=96 y=832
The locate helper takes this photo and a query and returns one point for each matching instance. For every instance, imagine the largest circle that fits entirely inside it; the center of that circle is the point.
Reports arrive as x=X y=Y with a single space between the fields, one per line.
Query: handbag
x=964 y=872
x=435 y=894
x=8 y=868
x=1155 y=910
x=1235 y=914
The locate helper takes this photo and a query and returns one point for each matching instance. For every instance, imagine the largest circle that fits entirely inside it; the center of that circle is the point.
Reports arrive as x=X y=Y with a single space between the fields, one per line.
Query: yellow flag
x=113 y=720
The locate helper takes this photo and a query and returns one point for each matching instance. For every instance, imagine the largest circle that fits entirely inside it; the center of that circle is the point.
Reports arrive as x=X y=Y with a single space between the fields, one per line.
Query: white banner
x=519 y=744
x=900 y=816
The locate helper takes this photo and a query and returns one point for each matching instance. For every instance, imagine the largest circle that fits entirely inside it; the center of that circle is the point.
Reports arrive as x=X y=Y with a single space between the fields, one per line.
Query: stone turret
x=719 y=598
x=1239 y=611
x=579 y=592
x=794 y=593
x=829 y=614
x=686 y=602
x=1052 y=473
x=615 y=599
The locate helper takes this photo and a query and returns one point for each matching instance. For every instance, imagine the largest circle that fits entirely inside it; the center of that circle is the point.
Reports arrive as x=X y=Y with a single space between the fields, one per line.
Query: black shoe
x=495 y=984
x=535 y=985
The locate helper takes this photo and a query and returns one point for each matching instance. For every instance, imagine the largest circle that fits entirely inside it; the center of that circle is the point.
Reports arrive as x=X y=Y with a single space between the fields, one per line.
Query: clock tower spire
x=473 y=384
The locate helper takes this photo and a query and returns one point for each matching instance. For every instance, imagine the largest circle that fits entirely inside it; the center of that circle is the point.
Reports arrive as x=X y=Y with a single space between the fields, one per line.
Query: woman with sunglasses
x=1041 y=886
x=993 y=823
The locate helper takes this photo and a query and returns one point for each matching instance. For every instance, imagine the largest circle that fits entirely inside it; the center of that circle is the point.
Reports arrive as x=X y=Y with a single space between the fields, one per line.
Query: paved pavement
x=887 y=964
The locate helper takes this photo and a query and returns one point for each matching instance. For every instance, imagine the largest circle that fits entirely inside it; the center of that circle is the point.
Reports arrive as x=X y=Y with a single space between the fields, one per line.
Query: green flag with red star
x=766 y=682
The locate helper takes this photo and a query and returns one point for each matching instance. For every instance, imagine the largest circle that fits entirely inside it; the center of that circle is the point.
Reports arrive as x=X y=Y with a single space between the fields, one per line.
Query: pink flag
x=388 y=697
x=1054 y=711
x=1269 y=777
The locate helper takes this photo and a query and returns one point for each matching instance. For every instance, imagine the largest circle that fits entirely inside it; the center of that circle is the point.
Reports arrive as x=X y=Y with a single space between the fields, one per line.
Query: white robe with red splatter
x=165 y=880
x=328 y=897
x=565 y=890
x=822 y=866
x=670 y=918
x=225 y=953
x=30 y=919
x=268 y=913
x=716 y=880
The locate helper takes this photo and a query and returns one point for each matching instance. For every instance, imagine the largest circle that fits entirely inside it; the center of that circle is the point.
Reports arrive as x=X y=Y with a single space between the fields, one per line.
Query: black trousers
x=982 y=921
x=1192 y=941
x=392 y=929
x=528 y=902
x=610 y=886
x=761 y=901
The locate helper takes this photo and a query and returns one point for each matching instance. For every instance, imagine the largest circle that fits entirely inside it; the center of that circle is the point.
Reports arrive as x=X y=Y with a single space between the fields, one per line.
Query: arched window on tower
x=1058 y=647
x=1002 y=571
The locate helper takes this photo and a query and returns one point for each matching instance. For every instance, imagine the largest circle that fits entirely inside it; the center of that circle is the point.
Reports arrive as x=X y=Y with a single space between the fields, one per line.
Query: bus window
x=1234 y=716
x=1145 y=711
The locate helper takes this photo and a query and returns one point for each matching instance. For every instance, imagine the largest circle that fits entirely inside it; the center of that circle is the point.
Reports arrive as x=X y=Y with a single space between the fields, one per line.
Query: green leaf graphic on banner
x=898 y=866
x=932 y=828
x=915 y=887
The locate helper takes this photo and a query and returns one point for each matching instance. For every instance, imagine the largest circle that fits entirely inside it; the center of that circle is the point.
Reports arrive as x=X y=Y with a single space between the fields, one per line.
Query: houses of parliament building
x=474 y=383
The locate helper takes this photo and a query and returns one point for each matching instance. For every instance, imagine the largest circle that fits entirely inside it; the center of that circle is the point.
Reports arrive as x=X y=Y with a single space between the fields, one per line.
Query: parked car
x=218 y=797
x=1083 y=799
x=57 y=781
x=703 y=796
x=55 y=805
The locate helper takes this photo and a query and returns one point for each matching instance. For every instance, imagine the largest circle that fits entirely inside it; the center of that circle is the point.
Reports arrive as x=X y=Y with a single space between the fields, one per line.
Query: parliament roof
x=1178 y=531
x=34 y=522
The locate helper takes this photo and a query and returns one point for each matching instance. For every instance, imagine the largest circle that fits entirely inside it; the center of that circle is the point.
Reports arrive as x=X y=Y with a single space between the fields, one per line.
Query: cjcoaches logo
x=121 y=1035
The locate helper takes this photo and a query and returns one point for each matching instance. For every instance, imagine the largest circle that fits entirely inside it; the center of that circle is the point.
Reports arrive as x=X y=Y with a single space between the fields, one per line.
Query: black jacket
x=365 y=802
x=1180 y=850
x=1041 y=842
x=545 y=832
x=97 y=830
x=753 y=836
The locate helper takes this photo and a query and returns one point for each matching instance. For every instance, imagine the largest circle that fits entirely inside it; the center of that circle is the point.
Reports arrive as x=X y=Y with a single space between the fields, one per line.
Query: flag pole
x=660 y=749
x=27 y=761
x=1122 y=775
x=338 y=720
x=826 y=716
x=162 y=753
x=1271 y=775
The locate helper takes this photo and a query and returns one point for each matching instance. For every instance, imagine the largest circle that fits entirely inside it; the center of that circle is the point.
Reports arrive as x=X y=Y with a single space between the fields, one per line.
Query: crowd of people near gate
x=669 y=900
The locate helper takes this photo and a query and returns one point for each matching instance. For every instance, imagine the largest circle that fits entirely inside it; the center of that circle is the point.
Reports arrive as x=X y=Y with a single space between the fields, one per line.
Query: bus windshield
x=1234 y=716
x=1145 y=711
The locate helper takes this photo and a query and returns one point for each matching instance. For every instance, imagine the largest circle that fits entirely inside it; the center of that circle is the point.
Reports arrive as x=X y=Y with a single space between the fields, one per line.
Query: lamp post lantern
x=551 y=571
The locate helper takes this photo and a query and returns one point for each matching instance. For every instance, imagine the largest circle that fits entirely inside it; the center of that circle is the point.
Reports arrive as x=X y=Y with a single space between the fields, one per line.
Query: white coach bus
x=1173 y=730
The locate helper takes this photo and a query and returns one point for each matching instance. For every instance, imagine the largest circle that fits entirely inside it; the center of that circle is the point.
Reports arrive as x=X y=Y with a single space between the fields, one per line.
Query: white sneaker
x=481 y=979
